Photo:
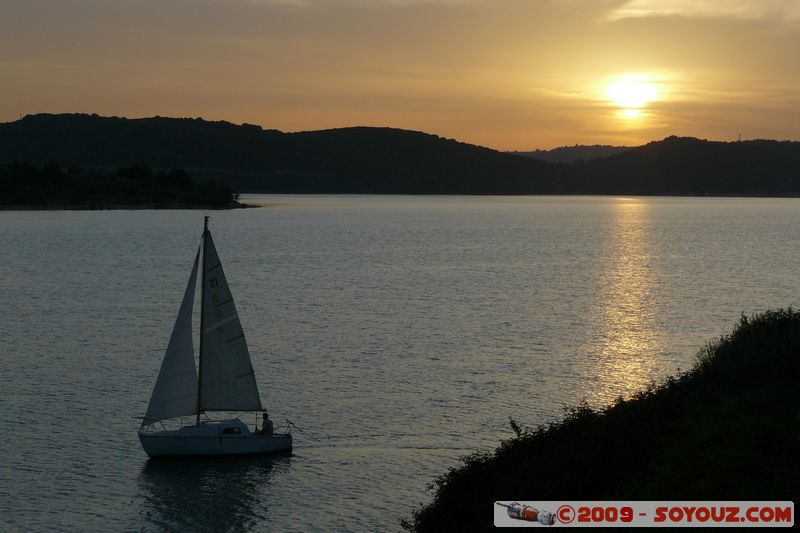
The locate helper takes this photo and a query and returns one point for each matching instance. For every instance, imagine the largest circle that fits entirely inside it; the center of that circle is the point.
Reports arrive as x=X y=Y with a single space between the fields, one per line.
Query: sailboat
x=224 y=382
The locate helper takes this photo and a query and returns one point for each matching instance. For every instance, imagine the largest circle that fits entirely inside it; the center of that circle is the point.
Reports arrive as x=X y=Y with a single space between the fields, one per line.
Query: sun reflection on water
x=625 y=317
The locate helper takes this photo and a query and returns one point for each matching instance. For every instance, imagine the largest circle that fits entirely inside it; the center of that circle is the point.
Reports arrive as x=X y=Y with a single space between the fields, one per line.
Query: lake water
x=399 y=333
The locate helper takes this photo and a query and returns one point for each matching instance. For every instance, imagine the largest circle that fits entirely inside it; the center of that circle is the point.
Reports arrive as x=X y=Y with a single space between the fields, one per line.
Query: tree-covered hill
x=386 y=160
x=51 y=186
x=379 y=160
x=689 y=166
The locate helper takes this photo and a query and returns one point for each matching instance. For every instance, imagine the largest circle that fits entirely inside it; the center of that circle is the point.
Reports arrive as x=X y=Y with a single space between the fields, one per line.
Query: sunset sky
x=508 y=74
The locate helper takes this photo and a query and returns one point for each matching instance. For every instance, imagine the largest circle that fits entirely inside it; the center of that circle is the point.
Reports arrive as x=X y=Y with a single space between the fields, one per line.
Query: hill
x=727 y=430
x=347 y=160
x=689 y=166
x=386 y=160
x=573 y=154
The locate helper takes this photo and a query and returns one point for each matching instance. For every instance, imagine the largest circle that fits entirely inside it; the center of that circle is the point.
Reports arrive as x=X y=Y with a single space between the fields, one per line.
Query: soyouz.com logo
x=644 y=514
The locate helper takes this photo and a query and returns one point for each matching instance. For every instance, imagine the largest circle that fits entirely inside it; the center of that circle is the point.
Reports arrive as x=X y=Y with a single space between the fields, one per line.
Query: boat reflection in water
x=210 y=494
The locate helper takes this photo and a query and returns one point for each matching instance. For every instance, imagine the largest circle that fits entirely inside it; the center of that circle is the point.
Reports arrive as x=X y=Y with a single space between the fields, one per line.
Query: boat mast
x=202 y=315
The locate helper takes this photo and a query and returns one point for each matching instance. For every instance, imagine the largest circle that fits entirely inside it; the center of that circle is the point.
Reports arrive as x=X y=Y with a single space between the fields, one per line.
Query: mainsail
x=175 y=393
x=227 y=381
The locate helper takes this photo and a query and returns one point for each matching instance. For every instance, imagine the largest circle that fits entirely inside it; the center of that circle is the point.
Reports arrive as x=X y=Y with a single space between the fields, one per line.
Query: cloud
x=788 y=10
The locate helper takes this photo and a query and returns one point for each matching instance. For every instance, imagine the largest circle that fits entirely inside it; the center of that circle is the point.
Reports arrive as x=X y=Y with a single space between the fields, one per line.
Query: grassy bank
x=729 y=429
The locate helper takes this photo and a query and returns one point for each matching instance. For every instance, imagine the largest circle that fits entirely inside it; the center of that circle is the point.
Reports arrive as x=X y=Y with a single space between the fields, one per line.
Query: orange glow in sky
x=508 y=74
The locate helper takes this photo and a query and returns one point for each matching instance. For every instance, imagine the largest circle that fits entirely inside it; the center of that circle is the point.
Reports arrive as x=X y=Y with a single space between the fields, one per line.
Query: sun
x=631 y=92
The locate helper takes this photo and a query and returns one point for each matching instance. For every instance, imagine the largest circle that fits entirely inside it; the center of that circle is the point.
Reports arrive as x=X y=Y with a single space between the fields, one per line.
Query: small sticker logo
x=527 y=513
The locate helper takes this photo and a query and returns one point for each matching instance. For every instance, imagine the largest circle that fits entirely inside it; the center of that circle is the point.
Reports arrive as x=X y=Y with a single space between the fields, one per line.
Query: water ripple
x=398 y=333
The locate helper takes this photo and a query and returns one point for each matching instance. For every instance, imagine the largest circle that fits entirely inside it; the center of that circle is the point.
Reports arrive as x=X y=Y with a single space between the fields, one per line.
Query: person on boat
x=266 y=424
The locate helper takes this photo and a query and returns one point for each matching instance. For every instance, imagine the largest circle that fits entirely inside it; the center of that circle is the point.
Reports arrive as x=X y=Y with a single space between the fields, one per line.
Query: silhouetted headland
x=388 y=161
x=726 y=430
x=25 y=186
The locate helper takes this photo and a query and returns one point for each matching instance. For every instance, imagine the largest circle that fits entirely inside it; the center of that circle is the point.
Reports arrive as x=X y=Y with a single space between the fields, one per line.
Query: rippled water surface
x=399 y=333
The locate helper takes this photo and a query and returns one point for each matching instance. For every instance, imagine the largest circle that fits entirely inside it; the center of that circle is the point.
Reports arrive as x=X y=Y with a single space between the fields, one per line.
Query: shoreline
x=242 y=205
x=123 y=207
x=511 y=194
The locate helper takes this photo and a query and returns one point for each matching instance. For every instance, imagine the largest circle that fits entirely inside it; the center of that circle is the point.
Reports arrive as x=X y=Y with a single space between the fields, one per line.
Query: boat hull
x=207 y=440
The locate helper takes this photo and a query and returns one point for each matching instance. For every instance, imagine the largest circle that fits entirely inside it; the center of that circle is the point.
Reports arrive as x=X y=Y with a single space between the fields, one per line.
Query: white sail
x=175 y=393
x=227 y=381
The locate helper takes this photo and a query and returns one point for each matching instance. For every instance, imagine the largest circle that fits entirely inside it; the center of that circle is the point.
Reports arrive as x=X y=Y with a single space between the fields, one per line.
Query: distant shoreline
x=543 y=195
x=221 y=157
x=179 y=206
x=29 y=187
x=121 y=207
